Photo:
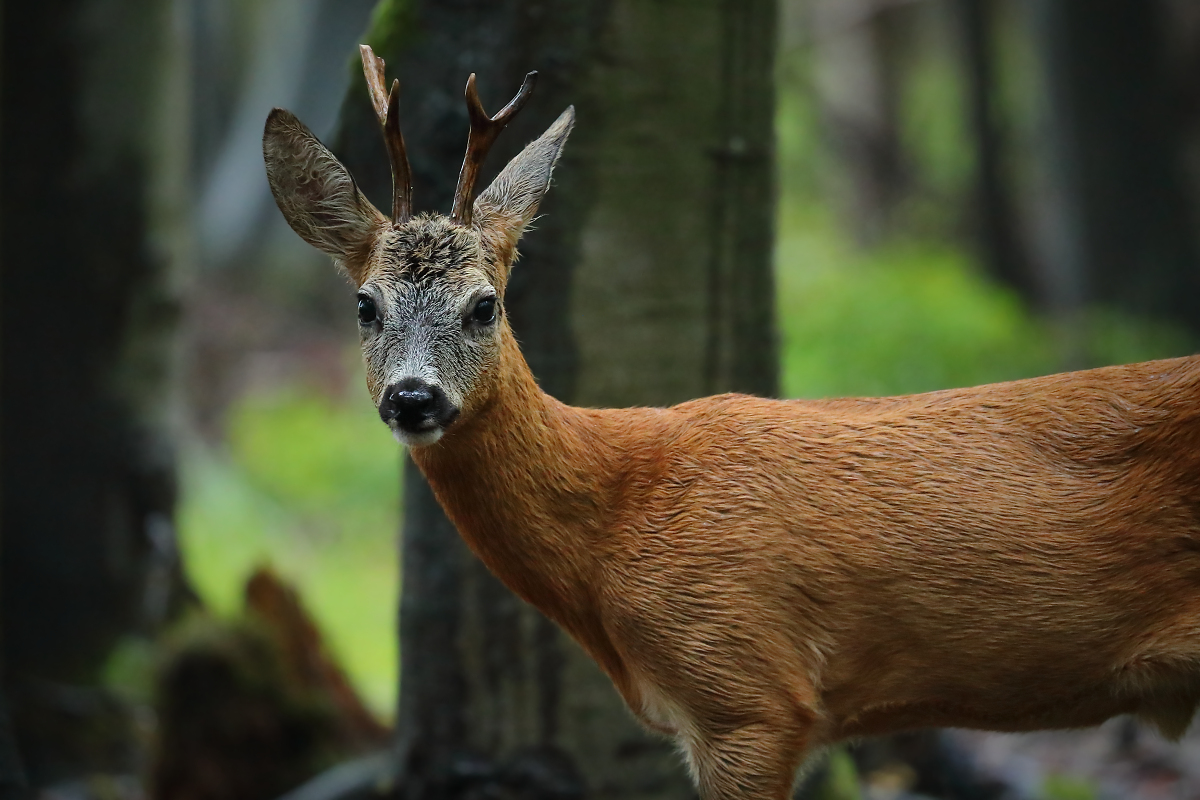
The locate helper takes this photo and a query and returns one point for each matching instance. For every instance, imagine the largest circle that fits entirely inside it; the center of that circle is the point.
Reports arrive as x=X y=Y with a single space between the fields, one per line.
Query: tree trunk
x=92 y=186
x=674 y=294
x=996 y=231
x=857 y=72
x=1121 y=230
x=647 y=281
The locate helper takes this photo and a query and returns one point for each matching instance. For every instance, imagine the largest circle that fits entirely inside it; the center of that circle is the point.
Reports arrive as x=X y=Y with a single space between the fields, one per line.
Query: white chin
x=417 y=439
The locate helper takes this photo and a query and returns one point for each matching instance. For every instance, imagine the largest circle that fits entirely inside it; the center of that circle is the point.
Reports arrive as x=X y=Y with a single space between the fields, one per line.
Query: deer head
x=430 y=287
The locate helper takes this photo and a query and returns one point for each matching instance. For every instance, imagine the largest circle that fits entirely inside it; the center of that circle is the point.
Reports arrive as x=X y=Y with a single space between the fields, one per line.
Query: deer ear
x=513 y=197
x=316 y=194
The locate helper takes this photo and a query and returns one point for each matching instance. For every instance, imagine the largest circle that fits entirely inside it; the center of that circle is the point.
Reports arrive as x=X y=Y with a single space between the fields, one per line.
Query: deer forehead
x=428 y=251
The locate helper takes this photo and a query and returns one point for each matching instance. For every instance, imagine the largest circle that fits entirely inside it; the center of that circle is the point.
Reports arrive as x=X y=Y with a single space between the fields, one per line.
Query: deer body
x=1009 y=557
x=760 y=577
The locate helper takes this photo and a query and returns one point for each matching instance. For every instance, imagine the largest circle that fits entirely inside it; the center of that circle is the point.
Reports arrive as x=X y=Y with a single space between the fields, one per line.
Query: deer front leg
x=753 y=762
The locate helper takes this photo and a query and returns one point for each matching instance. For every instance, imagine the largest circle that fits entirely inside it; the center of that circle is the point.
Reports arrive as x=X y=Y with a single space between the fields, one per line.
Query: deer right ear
x=512 y=199
x=317 y=195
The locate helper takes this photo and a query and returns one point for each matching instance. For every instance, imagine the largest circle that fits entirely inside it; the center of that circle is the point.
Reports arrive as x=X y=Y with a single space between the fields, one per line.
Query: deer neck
x=527 y=481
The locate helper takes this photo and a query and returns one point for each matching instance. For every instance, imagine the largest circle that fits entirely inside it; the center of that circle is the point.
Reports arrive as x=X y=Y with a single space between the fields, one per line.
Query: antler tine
x=484 y=130
x=373 y=69
x=401 y=172
x=387 y=109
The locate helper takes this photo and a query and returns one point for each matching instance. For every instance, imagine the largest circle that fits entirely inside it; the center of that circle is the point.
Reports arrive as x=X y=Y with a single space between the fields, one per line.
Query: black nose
x=416 y=406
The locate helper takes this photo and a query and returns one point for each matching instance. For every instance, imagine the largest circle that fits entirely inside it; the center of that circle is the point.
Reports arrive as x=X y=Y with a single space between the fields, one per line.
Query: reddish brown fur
x=762 y=577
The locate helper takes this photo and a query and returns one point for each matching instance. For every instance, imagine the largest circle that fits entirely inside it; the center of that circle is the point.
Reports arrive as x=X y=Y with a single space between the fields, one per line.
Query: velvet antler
x=484 y=130
x=387 y=109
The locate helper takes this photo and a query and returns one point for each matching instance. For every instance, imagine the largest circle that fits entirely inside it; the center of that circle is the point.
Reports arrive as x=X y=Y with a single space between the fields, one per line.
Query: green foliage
x=802 y=161
x=901 y=318
x=129 y=669
x=311 y=487
x=1062 y=787
x=932 y=124
x=915 y=312
x=937 y=152
x=914 y=316
x=841 y=782
x=313 y=455
x=1112 y=337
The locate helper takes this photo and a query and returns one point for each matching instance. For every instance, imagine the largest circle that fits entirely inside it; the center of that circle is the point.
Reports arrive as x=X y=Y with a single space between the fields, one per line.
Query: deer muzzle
x=418 y=411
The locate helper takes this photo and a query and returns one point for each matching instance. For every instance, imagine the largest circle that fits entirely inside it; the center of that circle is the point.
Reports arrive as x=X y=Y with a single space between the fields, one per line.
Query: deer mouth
x=421 y=432
x=410 y=439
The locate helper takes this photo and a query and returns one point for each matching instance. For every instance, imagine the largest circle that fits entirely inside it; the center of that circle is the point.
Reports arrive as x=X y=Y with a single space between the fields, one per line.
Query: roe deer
x=760 y=577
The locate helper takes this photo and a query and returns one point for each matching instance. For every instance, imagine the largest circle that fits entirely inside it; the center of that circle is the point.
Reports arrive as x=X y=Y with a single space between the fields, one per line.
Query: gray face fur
x=423 y=279
x=431 y=277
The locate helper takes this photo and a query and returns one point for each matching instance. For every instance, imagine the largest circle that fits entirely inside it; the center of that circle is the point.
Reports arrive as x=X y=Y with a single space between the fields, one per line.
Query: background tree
x=91 y=103
x=857 y=54
x=648 y=282
x=1122 y=220
x=994 y=223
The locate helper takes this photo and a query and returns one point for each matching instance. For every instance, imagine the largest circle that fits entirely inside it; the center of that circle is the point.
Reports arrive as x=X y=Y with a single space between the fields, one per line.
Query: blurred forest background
x=201 y=514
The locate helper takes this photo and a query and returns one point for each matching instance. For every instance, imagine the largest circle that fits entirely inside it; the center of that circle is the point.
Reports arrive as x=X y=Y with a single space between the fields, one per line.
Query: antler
x=387 y=108
x=484 y=130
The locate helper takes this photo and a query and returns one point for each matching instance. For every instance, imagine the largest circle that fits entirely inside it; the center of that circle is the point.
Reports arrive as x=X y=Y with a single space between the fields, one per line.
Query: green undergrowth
x=914 y=316
x=841 y=781
x=914 y=311
x=309 y=486
x=1065 y=787
x=895 y=319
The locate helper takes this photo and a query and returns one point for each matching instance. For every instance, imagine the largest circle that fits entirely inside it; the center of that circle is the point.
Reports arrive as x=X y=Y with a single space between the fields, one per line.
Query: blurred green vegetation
x=841 y=782
x=913 y=312
x=901 y=318
x=310 y=486
x=916 y=315
x=1062 y=787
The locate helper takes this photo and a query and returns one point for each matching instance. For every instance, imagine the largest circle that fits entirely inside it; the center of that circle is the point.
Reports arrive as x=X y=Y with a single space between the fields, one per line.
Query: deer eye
x=485 y=311
x=366 y=310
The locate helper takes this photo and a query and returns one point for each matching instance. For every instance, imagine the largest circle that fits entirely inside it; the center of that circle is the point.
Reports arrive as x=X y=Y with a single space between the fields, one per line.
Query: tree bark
x=92 y=190
x=857 y=71
x=481 y=671
x=1121 y=232
x=996 y=230
x=647 y=281
x=674 y=295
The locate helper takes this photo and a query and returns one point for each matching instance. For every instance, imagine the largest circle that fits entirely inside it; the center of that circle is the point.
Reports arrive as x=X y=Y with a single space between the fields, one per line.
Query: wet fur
x=760 y=578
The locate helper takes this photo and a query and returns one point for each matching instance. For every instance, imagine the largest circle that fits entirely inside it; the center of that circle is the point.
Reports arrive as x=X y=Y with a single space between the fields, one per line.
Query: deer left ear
x=317 y=195
x=512 y=199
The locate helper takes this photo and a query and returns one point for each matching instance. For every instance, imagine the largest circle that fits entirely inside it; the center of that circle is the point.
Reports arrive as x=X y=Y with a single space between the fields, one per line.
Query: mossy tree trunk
x=647 y=281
